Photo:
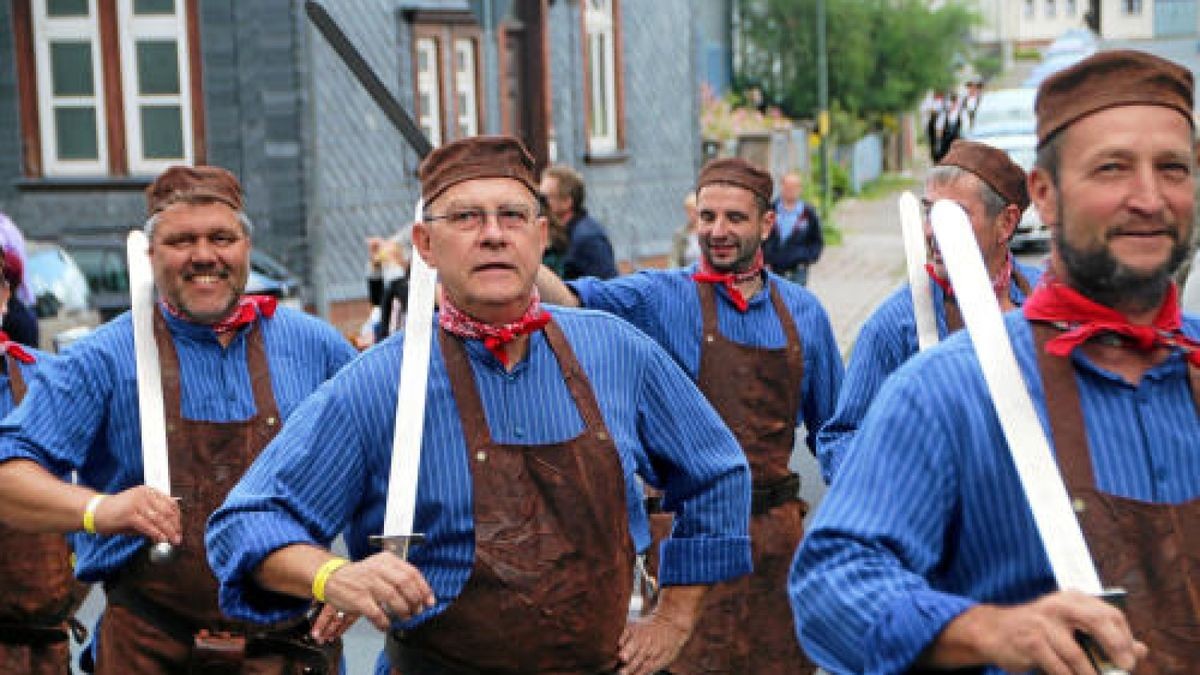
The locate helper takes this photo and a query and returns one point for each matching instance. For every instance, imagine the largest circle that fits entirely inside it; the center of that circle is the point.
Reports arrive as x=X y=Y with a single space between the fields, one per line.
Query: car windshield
x=1007 y=111
x=48 y=271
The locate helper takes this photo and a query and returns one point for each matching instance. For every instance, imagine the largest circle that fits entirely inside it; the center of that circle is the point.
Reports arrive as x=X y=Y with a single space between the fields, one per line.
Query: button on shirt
x=92 y=391
x=665 y=305
x=886 y=340
x=328 y=469
x=927 y=516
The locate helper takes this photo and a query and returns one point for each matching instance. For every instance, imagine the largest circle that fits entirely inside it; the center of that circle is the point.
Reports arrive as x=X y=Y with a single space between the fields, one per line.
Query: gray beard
x=1100 y=277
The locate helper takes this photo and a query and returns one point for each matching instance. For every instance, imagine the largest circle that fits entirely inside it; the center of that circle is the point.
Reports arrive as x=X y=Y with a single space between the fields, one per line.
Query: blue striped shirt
x=328 y=469
x=886 y=340
x=665 y=305
x=927 y=515
x=81 y=412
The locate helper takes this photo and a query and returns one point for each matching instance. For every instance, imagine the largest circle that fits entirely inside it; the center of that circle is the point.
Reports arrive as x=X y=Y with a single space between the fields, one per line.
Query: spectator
x=387 y=283
x=589 y=253
x=20 y=321
x=795 y=242
x=11 y=239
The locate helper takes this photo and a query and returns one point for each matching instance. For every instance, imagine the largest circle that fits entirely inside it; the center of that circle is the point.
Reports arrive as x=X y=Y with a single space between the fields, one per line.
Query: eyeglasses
x=515 y=217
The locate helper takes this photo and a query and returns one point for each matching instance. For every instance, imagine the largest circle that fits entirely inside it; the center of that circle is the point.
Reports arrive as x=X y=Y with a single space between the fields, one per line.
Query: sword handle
x=1116 y=598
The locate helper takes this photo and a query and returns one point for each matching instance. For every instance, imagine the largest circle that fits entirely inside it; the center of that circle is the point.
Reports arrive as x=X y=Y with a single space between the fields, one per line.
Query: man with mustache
x=234 y=367
x=538 y=423
x=990 y=187
x=929 y=558
x=762 y=350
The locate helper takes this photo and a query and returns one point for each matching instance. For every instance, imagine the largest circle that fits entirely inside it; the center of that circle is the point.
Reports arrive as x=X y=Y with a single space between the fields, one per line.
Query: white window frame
x=466 y=104
x=1072 y=9
x=429 y=87
x=1132 y=7
x=131 y=29
x=48 y=29
x=601 y=77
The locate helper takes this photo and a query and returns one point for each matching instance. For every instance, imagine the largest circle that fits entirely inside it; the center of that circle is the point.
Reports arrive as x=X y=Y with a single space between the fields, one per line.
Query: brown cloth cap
x=193 y=184
x=475 y=157
x=1107 y=80
x=739 y=172
x=993 y=166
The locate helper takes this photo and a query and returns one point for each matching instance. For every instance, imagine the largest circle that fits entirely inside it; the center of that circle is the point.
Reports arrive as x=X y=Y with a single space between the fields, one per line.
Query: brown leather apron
x=954 y=320
x=1150 y=550
x=156 y=609
x=39 y=590
x=746 y=624
x=549 y=590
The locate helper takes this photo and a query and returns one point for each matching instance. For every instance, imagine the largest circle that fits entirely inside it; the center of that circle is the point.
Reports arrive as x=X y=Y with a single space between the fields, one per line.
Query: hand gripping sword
x=155 y=467
x=1053 y=515
x=398 y=532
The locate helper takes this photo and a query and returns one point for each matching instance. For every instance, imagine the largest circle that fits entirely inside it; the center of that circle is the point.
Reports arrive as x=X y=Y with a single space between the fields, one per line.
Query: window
x=1133 y=6
x=446 y=76
x=1070 y=7
x=1028 y=9
x=602 y=77
x=1051 y=9
x=108 y=86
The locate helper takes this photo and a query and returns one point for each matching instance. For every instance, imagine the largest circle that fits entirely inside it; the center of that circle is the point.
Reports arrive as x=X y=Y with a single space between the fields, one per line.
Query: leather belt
x=409 y=659
x=291 y=641
x=763 y=498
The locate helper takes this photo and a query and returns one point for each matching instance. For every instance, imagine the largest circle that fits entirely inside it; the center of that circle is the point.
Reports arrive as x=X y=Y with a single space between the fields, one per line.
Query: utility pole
x=823 y=108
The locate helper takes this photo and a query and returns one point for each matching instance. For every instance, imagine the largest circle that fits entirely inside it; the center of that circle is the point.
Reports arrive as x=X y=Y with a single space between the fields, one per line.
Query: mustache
x=219 y=272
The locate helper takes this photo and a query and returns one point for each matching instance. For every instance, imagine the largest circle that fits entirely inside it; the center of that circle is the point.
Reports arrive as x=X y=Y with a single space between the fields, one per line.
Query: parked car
x=102 y=258
x=1005 y=120
x=63 y=299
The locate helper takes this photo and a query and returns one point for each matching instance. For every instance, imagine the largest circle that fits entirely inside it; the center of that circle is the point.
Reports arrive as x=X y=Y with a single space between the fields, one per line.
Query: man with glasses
x=990 y=187
x=762 y=351
x=234 y=367
x=537 y=423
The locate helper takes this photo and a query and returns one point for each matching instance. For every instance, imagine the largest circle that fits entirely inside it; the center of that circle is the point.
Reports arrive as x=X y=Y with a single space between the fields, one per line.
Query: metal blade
x=918 y=279
x=149 y=375
x=410 y=400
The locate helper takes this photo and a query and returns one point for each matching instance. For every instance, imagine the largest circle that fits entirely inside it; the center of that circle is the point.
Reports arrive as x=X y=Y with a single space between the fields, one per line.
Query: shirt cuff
x=909 y=626
x=708 y=560
x=235 y=555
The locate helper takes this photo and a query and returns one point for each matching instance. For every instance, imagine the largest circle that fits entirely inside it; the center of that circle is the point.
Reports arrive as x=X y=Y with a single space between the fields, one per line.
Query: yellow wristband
x=323 y=573
x=89 y=513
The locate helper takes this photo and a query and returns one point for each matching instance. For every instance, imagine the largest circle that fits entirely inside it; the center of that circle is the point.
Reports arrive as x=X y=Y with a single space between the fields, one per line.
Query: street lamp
x=823 y=107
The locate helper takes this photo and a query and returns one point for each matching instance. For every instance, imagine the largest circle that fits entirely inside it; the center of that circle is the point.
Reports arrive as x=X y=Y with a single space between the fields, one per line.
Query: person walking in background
x=387 y=283
x=20 y=320
x=589 y=251
x=796 y=241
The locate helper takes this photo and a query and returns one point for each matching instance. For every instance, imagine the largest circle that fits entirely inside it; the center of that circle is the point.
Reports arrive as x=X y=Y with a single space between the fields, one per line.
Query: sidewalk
x=852 y=278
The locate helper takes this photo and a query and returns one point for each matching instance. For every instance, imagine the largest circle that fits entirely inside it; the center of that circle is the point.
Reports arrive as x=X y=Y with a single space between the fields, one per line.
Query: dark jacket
x=803 y=245
x=386 y=299
x=20 y=323
x=589 y=254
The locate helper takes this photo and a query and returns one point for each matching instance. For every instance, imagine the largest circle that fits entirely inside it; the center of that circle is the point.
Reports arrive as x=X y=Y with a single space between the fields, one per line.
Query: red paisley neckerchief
x=1082 y=319
x=999 y=283
x=247 y=309
x=705 y=274
x=15 y=349
x=453 y=320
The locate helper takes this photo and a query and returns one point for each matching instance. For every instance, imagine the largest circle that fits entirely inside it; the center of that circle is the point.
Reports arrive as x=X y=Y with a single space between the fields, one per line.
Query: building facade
x=1035 y=22
x=96 y=96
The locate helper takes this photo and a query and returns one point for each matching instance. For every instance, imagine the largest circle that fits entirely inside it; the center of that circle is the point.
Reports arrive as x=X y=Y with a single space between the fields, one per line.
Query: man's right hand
x=141 y=510
x=380 y=588
x=1037 y=635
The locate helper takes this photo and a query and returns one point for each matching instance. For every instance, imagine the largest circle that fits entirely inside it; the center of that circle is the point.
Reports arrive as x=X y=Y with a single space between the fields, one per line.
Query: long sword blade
x=149 y=376
x=918 y=280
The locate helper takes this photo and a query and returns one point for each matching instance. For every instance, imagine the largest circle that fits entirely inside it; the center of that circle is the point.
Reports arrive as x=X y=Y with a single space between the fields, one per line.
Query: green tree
x=883 y=54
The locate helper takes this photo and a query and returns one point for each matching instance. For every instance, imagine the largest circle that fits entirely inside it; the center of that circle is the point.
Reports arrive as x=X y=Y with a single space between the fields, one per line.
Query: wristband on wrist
x=325 y=571
x=89 y=513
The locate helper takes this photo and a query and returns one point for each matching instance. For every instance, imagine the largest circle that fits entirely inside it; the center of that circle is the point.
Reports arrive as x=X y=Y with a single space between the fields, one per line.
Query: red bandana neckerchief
x=244 y=313
x=15 y=350
x=999 y=283
x=1082 y=319
x=705 y=274
x=453 y=320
